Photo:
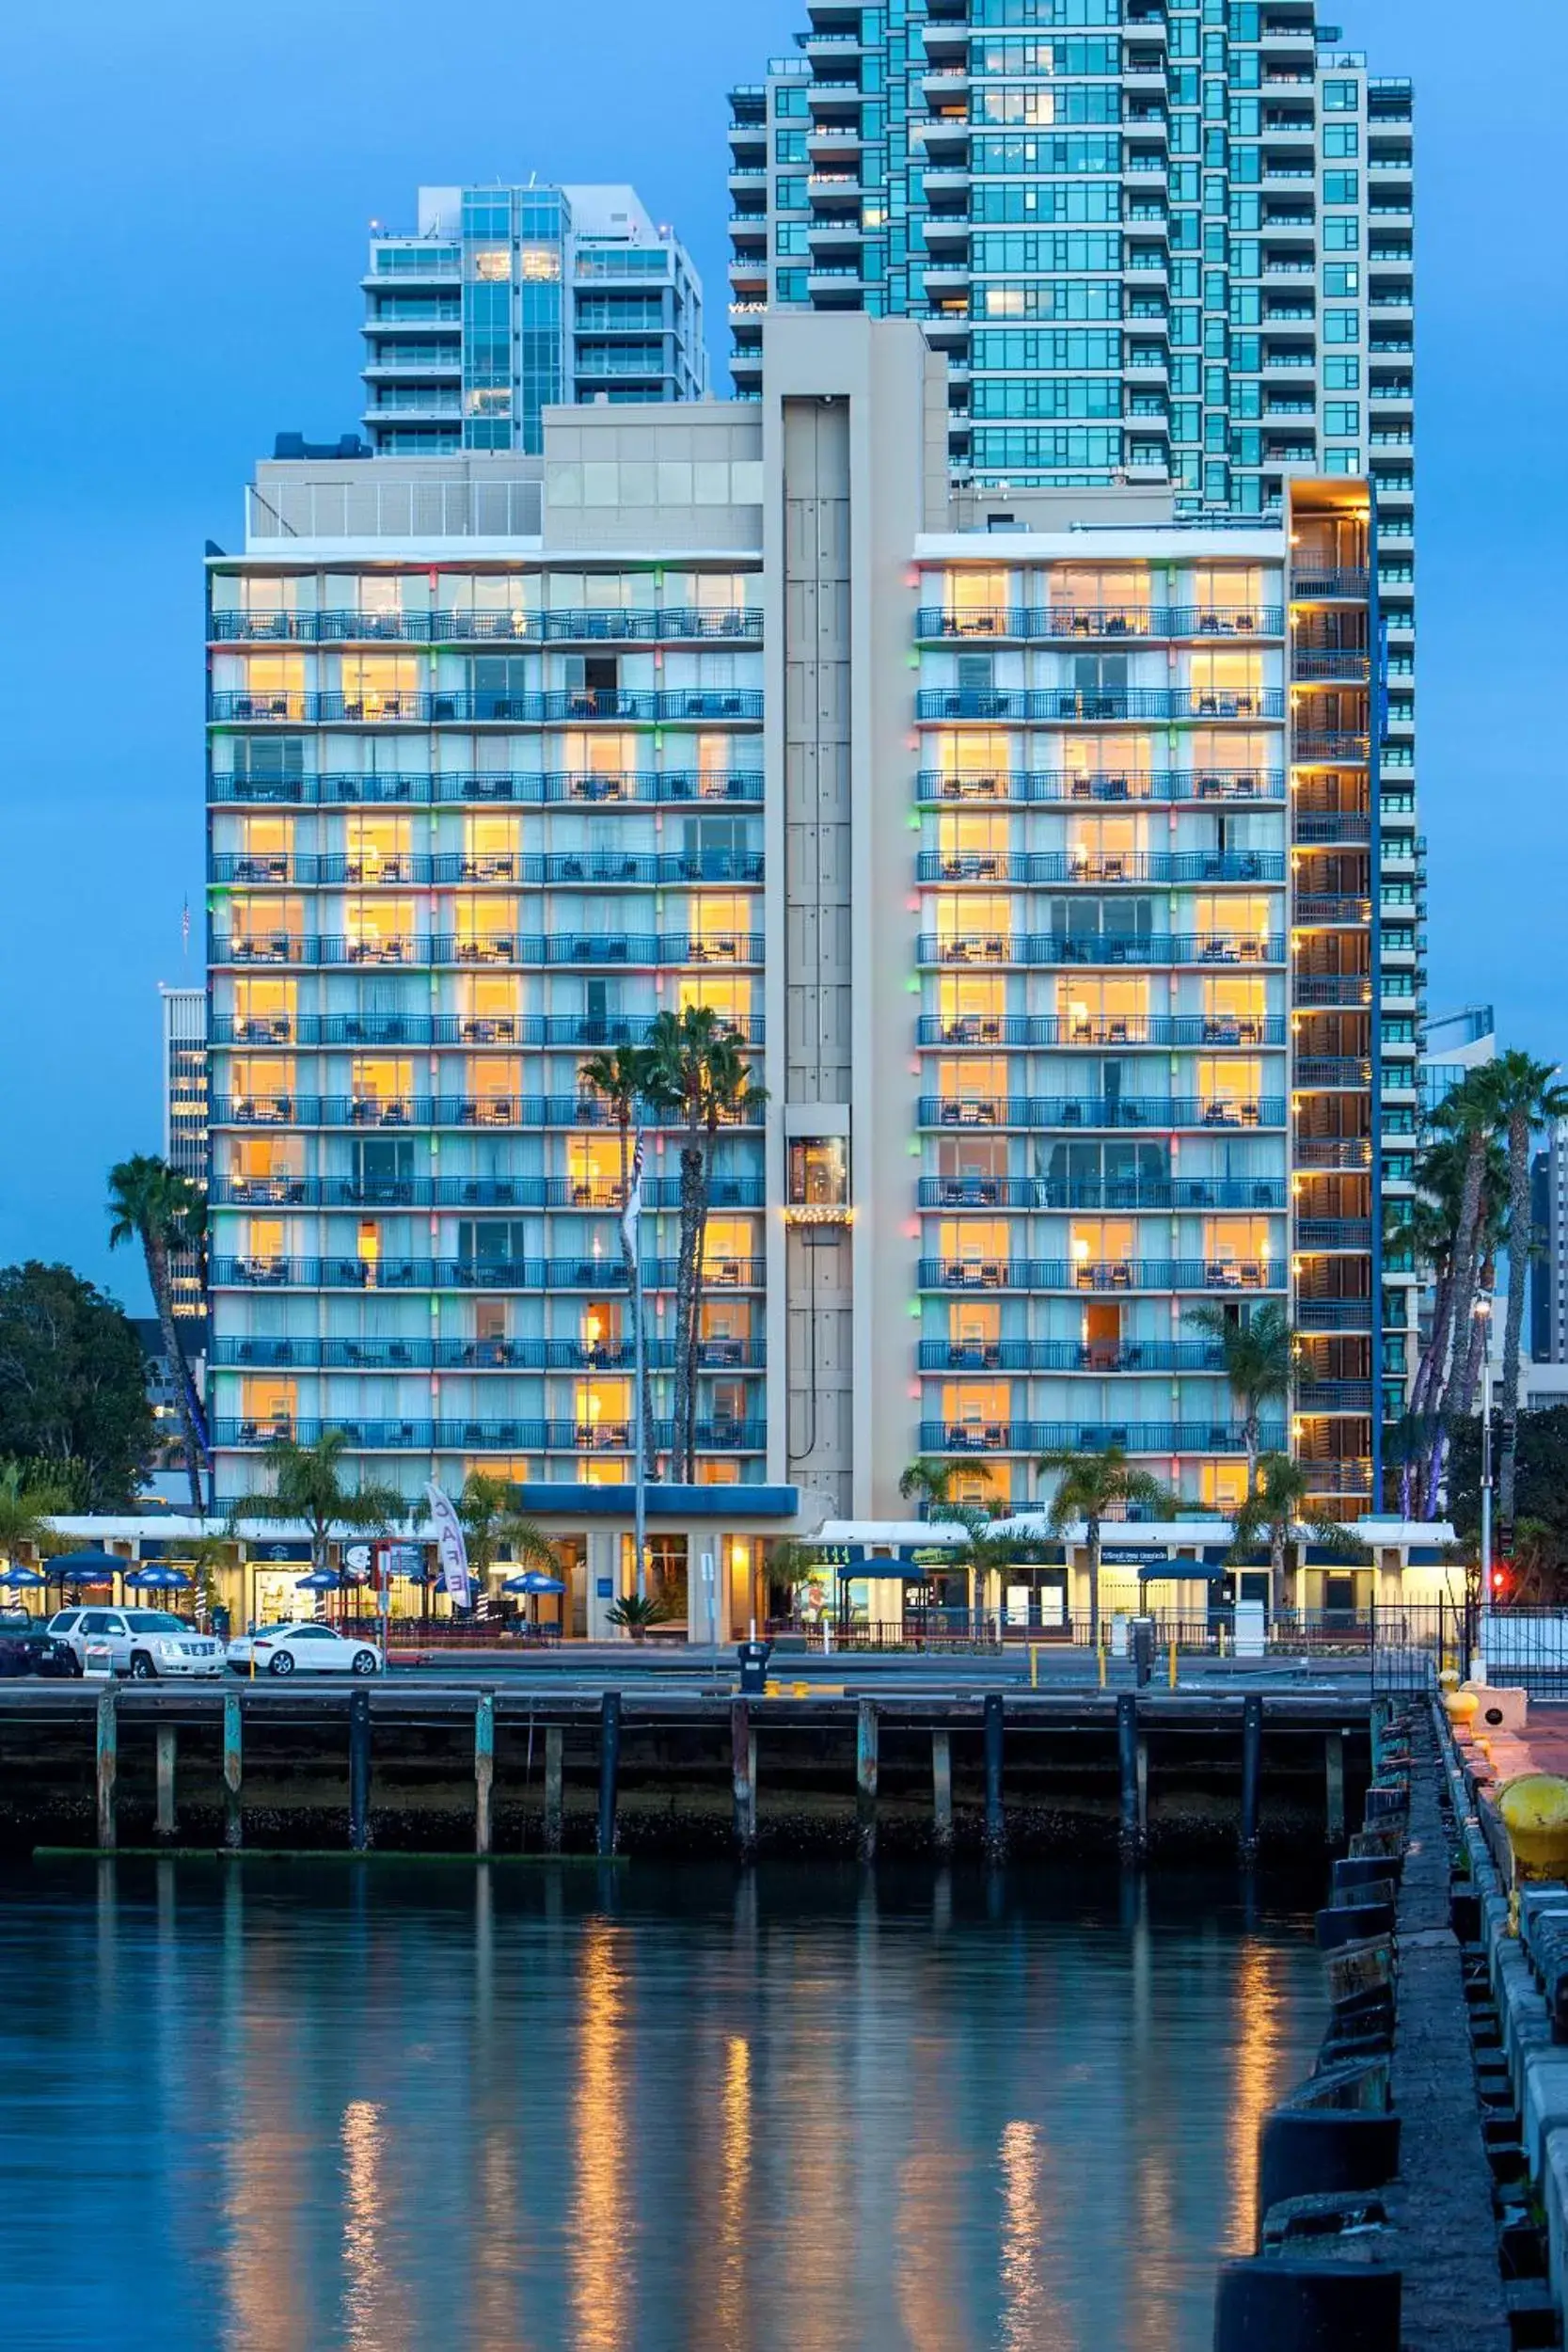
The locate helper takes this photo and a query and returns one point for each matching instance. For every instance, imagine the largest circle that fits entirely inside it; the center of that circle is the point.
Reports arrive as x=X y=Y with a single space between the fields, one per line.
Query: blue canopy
x=160 y=1581
x=84 y=1567
x=323 y=1580
x=22 y=1580
x=534 y=1581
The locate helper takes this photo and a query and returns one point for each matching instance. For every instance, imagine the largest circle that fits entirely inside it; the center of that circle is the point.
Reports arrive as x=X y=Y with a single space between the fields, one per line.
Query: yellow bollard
x=1221 y=1640
x=1033 y=1665
x=1172 y=1665
x=1534 y=1810
x=1100 y=1654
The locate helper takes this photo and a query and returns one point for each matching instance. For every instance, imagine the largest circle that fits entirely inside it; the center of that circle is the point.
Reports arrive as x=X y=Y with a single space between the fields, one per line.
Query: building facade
x=508 y=300
x=1548 y=1275
x=185 y=1138
x=1158 y=242
x=1027 y=846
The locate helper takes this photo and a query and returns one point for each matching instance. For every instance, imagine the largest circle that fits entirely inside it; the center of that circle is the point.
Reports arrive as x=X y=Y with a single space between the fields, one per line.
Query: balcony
x=488 y=787
x=586 y=706
x=1039 y=786
x=1045 y=1031
x=493 y=950
x=1308 y=586
x=1073 y=706
x=1045 y=869
x=1330 y=747
x=563 y=869
x=483 y=1274
x=1028 y=1356
x=477 y=1436
x=1158 y=1114
x=1333 y=1233
x=407 y=1111
x=1051 y=949
x=1040 y=1192
x=1123 y=1274
x=1068 y=623
x=1052 y=1436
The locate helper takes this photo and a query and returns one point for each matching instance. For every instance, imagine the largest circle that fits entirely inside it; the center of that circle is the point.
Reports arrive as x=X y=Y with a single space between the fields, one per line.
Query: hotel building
x=1026 y=842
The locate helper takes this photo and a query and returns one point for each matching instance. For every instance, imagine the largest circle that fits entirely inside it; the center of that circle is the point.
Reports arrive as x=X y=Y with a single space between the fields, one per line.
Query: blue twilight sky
x=190 y=188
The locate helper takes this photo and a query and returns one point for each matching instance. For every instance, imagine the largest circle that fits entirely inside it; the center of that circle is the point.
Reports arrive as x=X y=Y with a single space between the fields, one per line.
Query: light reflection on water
x=290 y=2108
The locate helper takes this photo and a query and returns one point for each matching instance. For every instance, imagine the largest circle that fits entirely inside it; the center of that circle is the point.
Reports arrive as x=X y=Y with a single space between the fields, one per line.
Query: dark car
x=28 y=1648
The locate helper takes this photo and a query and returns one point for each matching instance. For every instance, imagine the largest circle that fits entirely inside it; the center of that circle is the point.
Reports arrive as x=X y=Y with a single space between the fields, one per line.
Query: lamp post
x=1482 y=1310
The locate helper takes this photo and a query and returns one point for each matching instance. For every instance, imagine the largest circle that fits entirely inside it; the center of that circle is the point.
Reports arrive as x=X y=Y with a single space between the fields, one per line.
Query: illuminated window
x=974 y=849
x=382 y=1090
x=264 y=1010
x=1102 y=1250
x=976 y=602
x=263 y=1089
x=975 y=1413
x=1102 y=1013
x=819 y=1172
x=491 y=263
x=974 y=765
x=379 y=931
x=378 y=849
x=268 y=1408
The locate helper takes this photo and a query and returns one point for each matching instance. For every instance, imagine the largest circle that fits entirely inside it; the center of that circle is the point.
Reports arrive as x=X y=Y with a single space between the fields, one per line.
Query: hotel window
x=971 y=1168
x=492 y=263
x=971 y=1007
x=378 y=849
x=1095 y=601
x=490 y=849
x=598 y=767
x=599 y=1329
x=262 y=1090
x=381 y=1090
x=1102 y=1013
x=729 y=1249
x=973 y=929
x=1222 y=1485
x=272 y=686
x=1227 y=685
x=973 y=1091
x=975 y=1413
x=974 y=767
x=603 y=1414
x=266 y=1167
x=486 y=930
x=593 y=1171
x=975 y=1250
x=1107 y=768
x=1229 y=1091
x=718 y=928
x=379 y=685
x=492 y=1092
x=975 y=603
x=1234 y=1011
x=266 y=930
x=1236 y=1249
x=267 y=1409
x=1232 y=930
x=380 y=931
x=1230 y=600
x=731 y=999
x=1105 y=849
x=489 y=1010
x=818 y=1172
x=1102 y=1250
x=973 y=849
x=264 y=1012
x=266 y=850
x=975 y=1330
x=265 y=1249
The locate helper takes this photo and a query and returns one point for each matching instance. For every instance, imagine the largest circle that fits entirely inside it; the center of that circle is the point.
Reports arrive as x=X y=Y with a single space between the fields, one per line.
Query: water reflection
x=315 y=2108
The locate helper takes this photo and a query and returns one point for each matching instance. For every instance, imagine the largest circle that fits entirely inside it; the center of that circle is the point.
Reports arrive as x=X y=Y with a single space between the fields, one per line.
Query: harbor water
x=278 y=2106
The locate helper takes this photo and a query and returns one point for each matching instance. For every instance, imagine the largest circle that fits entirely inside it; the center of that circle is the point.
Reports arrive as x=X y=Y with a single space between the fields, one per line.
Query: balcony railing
x=421 y=707
x=578 y=1030
x=392 y=871
x=424 y=1110
x=477 y=1436
x=413 y=952
x=1043 y=869
x=484 y=1274
x=1157 y=1112
x=1035 y=785
x=1333 y=1233
x=1025 y=1356
x=1047 y=949
x=1109 y=1275
x=471 y=1192
x=652 y=625
x=1084 y=1436
x=1308 y=586
x=1072 y=706
x=256 y=1353
x=1061 y=624
x=1041 y=1192
x=1046 y=1030
x=407 y=789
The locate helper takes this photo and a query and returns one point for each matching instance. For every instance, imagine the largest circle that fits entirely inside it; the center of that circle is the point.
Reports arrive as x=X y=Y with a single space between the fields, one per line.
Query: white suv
x=144 y=1643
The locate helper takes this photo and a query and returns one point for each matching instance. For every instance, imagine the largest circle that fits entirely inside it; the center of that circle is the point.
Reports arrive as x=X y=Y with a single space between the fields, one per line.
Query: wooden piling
x=1252 y=1771
x=743 y=1772
x=358 y=1771
x=484 y=1767
x=609 y=1767
x=555 y=1740
x=995 y=1818
x=107 y=1759
x=941 y=1791
x=233 y=1817
x=865 y=1779
x=164 y=1752
x=1126 y=1766
x=1334 y=1787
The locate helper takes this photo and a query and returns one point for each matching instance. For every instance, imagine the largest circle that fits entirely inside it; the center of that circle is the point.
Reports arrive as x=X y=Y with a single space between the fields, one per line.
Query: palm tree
x=1524 y=1096
x=308 y=1484
x=26 y=1509
x=619 y=1075
x=494 y=1528
x=696 y=1071
x=1429 y=1230
x=1257 y=1357
x=150 y=1203
x=1091 y=1487
x=1276 y=1504
x=1470 y=1116
x=927 y=1480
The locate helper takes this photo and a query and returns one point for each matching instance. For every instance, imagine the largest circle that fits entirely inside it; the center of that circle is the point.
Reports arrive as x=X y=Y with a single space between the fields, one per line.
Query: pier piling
x=1252 y=1771
x=554 y=1794
x=233 y=1819
x=359 y=1770
x=609 y=1766
x=1334 y=1787
x=484 y=1767
x=1128 y=1744
x=164 y=1752
x=865 y=1779
x=744 y=1773
x=941 y=1791
x=107 y=1746
x=995 y=1821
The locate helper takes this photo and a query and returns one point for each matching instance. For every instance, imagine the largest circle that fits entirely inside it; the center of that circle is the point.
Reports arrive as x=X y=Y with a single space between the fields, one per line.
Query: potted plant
x=635 y=1612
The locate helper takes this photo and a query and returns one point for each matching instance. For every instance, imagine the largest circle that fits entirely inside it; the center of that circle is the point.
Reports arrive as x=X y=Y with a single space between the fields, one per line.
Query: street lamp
x=1482 y=1310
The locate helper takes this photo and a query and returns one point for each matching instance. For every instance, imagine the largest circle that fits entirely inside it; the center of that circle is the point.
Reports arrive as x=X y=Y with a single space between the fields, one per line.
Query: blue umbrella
x=22 y=1580
x=84 y=1567
x=160 y=1581
x=534 y=1581
x=324 y=1581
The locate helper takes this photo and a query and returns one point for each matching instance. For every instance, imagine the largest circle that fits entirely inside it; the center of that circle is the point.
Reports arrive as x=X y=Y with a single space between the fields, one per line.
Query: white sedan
x=303 y=1648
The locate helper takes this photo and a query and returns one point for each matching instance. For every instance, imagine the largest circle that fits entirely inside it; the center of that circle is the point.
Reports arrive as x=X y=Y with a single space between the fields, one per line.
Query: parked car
x=145 y=1644
x=28 y=1648
x=305 y=1648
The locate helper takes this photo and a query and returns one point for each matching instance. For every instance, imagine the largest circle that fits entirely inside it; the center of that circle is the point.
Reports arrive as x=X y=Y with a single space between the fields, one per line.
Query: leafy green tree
x=72 y=1384
x=1277 y=1504
x=1257 y=1357
x=25 y=1510
x=1094 y=1487
x=150 y=1203
x=1524 y=1097
x=494 y=1528
x=308 y=1484
x=1541 y=1480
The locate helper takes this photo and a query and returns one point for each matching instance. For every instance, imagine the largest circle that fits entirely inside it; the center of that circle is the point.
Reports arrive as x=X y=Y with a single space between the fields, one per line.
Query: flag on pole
x=450 y=1549
x=185 y=926
x=631 y=1216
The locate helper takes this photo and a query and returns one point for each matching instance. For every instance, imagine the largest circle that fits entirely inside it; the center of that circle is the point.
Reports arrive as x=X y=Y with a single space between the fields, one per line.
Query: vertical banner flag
x=631 y=1216
x=450 y=1549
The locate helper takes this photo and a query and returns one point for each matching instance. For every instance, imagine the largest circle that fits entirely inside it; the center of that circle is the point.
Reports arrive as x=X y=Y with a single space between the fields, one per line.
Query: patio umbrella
x=326 y=1581
x=84 y=1567
x=160 y=1581
x=22 y=1581
x=534 y=1581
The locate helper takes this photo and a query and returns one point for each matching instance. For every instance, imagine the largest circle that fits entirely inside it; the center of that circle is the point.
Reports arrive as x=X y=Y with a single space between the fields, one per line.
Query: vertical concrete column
x=1127 y=1769
x=865 y=1779
x=358 y=1771
x=107 y=1766
x=941 y=1791
x=234 y=1824
x=166 y=1749
x=1252 y=1771
x=610 y=1767
x=484 y=1767
x=1334 y=1788
x=555 y=1740
x=995 y=1821
x=743 y=1772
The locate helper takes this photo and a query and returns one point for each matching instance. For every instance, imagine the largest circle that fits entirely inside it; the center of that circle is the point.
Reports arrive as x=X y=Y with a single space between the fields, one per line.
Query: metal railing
x=1078 y=705
x=420 y=790
x=1038 y=785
